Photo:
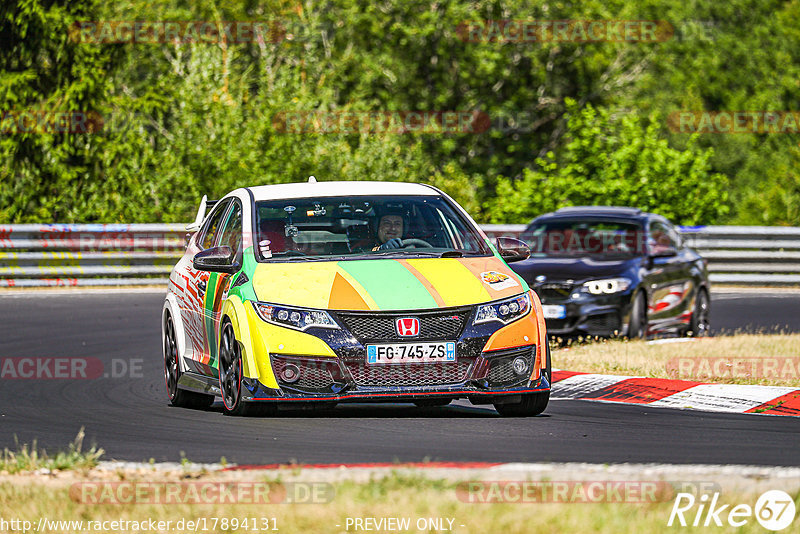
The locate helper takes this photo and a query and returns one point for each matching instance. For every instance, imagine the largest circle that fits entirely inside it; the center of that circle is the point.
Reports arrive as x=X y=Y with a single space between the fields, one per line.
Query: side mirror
x=663 y=251
x=216 y=259
x=512 y=249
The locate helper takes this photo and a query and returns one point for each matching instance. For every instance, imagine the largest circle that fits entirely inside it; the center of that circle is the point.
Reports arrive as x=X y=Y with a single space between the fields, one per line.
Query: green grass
x=395 y=495
x=28 y=458
x=758 y=359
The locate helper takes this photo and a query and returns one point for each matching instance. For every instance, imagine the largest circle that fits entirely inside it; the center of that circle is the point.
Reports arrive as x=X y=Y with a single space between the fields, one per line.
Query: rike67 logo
x=774 y=510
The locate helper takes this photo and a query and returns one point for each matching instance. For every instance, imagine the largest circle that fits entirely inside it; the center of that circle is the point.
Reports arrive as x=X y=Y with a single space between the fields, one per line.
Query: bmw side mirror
x=512 y=249
x=216 y=259
x=663 y=251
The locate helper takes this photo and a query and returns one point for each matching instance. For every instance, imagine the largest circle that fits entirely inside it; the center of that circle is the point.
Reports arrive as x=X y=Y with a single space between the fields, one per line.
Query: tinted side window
x=663 y=236
x=212 y=226
x=232 y=232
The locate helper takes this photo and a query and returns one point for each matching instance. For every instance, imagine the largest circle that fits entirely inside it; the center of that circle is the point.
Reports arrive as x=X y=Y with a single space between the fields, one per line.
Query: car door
x=217 y=285
x=193 y=306
x=670 y=283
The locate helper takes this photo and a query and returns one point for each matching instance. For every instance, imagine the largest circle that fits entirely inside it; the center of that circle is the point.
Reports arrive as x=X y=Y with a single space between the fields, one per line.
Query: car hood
x=386 y=284
x=573 y=268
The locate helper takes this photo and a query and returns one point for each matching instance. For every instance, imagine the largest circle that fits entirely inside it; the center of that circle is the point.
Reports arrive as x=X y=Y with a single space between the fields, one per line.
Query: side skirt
x=198 y=383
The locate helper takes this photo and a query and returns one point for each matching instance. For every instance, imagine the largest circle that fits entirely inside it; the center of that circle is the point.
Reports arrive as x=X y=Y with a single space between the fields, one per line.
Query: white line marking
x=723 y=397
x=580 y=385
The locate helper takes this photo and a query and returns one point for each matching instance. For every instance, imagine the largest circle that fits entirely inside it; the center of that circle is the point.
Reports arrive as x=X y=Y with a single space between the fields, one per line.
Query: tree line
x=131 y=111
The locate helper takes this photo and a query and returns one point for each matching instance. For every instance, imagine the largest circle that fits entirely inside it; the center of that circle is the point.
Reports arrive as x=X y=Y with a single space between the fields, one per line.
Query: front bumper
x=590 y=315
x=255 y=391
x=482 y=372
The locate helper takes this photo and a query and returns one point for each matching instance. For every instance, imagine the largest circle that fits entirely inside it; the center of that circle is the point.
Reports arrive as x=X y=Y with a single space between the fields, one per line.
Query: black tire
x=172 y=372
x=230 y=379
x=548 y=369
x=637 y=327
x=431 y=403
x=700 y=325
x=530 y=405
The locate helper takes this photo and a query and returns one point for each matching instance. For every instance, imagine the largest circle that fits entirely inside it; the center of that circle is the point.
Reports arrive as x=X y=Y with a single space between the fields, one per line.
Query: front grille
x=432 y=374
x=436 y=325
x=501 y=371
x=553 y=290
x=315 y=375
x=607 y=322
x=559 y=324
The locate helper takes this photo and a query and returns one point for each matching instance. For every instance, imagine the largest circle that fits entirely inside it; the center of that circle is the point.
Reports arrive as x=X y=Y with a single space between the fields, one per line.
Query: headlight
x=504 y=311
x=298 y=318
x=606 y=286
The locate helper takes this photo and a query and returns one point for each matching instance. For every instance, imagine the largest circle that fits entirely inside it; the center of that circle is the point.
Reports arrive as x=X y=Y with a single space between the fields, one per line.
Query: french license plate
x=554 y=311
x=394 y=353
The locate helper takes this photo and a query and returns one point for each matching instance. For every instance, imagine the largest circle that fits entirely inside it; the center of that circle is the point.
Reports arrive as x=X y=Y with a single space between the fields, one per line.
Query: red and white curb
x=684 y=394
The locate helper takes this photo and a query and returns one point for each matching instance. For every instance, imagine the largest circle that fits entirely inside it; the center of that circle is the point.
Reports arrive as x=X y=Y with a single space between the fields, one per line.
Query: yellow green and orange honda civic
x=328 y=292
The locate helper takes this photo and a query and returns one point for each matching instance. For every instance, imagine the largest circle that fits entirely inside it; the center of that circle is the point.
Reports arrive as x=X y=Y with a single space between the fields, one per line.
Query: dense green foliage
x=570 y=122
x=617 y=159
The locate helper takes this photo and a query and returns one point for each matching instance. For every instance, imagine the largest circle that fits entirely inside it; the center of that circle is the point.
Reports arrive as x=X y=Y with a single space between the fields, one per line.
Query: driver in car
x=390 y=232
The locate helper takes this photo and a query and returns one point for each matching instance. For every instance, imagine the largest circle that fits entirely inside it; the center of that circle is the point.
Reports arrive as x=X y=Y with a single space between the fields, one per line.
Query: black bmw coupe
x=614 y=271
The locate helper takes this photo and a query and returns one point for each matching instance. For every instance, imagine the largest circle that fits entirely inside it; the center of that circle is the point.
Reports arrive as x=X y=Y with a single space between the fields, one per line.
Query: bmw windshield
x=583 y=237
x=363 y=226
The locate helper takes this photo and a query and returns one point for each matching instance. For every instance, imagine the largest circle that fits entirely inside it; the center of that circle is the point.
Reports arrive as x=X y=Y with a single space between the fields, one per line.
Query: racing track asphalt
x=131 y=419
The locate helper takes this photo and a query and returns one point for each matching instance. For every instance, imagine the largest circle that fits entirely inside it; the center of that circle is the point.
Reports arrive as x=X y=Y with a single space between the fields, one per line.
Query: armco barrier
x=34 y=255
x=751 y=255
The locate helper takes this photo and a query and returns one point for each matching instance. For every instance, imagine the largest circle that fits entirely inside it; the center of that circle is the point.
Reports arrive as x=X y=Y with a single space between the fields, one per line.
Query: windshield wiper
x=451 y=254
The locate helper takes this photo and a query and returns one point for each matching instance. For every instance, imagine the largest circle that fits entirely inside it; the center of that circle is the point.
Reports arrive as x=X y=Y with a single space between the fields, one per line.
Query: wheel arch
x=171 y=306
x=234 y=310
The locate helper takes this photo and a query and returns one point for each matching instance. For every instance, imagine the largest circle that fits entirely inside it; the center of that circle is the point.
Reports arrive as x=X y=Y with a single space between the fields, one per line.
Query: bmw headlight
x=504 y=311
x=606 y=286
x=297 y=318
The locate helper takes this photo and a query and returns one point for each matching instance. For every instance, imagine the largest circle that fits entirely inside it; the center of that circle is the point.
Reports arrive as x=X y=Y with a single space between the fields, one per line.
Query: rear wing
x=205 y=206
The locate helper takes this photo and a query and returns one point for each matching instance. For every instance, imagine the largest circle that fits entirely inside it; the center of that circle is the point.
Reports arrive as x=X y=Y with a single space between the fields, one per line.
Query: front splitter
x=254 y=391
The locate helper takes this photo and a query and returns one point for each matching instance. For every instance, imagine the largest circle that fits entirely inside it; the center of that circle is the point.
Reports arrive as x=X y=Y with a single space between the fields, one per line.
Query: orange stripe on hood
x=425 y=282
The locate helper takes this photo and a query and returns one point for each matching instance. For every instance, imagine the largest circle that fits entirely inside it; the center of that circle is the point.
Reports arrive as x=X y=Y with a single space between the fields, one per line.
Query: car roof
x=617 y=213
x=600 y=210
x=340 y=189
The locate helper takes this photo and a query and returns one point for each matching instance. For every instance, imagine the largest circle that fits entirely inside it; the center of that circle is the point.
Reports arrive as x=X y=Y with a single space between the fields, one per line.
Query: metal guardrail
x=40 y=255
x=752 y=255
x=34 y=255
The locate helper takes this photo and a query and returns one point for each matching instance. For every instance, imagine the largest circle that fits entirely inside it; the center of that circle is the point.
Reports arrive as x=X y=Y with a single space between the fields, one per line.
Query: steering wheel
x=414 y=243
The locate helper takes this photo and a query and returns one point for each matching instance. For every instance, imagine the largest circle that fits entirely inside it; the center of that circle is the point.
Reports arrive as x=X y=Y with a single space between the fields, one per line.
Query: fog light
x=290 y=373
x=520 y=365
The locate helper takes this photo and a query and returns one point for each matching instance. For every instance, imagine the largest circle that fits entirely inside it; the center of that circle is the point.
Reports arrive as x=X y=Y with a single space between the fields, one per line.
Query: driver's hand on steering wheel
x=391 y=244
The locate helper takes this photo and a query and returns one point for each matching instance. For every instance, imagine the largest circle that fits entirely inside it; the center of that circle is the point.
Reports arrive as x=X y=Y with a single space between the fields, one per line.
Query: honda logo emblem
x=407 y=326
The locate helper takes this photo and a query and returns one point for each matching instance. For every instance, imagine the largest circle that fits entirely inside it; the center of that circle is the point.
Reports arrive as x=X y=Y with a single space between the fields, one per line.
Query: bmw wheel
x=700 y=323
x=637 y=327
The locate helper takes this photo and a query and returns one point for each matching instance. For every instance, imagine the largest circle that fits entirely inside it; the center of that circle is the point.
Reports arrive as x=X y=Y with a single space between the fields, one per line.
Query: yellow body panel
x=258 y=338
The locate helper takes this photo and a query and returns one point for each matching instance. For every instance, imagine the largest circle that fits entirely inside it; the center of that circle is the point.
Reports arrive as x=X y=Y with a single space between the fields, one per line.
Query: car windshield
x=363 y=226
x=584 y=238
